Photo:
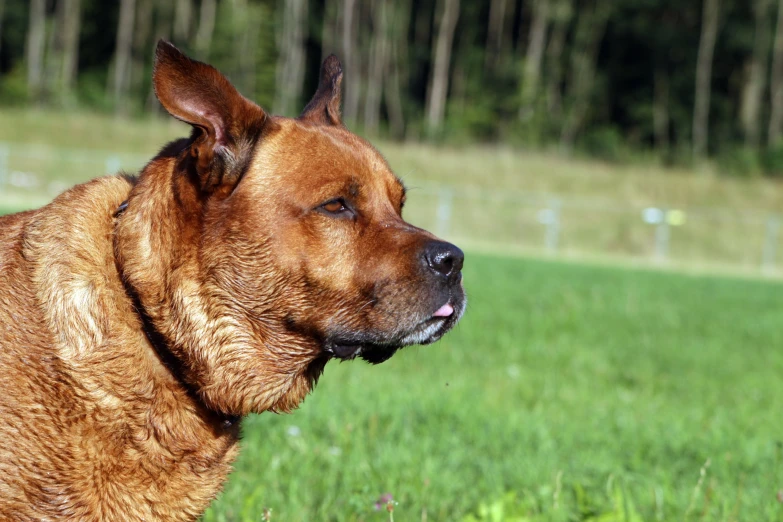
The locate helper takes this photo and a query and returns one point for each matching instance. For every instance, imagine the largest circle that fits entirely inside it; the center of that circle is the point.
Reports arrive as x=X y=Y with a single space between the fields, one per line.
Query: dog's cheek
x=393 y=271
x=255 y=361
x=323 y=253
x=247 y=376
x=331 y=254
x=399 y=305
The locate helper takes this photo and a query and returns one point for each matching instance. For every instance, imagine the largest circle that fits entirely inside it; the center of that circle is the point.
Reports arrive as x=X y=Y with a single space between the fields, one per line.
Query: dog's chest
x=159 y=456
x=163 y=470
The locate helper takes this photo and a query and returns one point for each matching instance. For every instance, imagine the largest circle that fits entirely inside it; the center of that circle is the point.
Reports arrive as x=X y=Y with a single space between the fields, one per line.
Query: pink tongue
x=444 y=311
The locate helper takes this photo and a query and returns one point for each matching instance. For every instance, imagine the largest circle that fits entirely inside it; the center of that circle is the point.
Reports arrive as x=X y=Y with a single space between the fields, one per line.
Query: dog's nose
x=444 y=258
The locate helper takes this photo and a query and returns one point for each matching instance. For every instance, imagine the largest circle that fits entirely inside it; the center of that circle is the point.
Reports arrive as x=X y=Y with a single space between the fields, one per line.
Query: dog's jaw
x=224 y=359
x=374 y=349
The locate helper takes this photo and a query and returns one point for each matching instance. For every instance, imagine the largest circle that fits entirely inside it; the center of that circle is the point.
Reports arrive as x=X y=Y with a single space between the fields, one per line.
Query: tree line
x=679 y=79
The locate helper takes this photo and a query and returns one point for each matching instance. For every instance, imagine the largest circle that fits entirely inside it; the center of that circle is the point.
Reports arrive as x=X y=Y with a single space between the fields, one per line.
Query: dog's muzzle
x=439 y=308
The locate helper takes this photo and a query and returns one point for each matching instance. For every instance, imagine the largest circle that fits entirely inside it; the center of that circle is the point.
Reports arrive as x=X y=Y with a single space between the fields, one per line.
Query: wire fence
x=503 y=221
x=547 y=223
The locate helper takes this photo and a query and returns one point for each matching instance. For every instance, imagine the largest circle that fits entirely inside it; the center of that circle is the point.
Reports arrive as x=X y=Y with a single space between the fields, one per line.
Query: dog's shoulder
x=69 y=246
x=82 y=375
x=83 y=210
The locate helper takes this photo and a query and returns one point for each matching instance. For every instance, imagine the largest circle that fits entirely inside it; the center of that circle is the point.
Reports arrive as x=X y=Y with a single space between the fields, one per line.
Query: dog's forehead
x=322 y=159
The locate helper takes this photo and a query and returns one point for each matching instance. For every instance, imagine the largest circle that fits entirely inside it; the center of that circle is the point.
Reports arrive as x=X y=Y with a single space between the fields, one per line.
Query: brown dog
x=141 y=319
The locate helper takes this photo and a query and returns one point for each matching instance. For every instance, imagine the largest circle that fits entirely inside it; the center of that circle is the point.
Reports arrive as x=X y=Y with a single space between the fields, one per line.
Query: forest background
x=675 y=80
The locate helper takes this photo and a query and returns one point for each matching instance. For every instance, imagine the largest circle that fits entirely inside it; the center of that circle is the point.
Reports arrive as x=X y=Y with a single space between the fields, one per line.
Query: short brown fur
x=140 y=319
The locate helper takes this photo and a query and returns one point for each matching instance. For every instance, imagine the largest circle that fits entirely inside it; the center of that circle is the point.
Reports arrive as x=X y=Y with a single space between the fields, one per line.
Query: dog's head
x=264 y=246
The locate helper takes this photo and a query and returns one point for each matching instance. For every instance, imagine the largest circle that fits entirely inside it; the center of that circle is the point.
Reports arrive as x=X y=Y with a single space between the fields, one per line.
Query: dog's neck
x=159 y=344
x=228 y=357
x=124 y=403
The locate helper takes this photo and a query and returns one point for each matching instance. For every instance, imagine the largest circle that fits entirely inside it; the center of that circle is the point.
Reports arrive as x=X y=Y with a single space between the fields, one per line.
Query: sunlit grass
x=497 y=193
x=492 y=167
x=565 y=391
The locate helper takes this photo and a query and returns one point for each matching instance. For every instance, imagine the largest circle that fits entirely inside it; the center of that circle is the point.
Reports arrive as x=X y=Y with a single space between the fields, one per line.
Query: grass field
x=568 y=393
x=490 y=167
x=496 y=196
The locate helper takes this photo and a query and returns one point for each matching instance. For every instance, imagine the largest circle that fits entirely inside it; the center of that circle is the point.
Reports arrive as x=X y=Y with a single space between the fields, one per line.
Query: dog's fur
x=140 y=319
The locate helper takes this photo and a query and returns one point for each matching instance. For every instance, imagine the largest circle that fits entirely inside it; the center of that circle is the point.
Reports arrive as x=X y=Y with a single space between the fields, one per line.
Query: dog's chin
x=346 y=348
x=376 y=348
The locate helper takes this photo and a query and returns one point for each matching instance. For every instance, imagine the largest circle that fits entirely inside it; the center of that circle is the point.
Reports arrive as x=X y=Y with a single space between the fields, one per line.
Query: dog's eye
x=336 y=206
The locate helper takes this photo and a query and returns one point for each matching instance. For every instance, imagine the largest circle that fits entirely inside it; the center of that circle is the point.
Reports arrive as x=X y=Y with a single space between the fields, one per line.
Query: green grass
x=567 y=392
x=10 y=209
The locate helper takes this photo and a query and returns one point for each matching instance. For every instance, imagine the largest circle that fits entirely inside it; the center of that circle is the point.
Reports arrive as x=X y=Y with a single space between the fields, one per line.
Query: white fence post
x=551 y=208
x=552 y=237
x=770 y=244
x=4 y=153
x=443 y=215
x=662 y=236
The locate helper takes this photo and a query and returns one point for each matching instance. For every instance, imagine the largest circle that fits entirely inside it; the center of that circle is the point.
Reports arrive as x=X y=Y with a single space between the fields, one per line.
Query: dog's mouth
x=375 y=347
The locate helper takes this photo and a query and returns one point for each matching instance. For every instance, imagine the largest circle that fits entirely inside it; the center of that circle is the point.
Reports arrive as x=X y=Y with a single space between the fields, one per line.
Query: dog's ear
x=324 y=108
x=226 y=124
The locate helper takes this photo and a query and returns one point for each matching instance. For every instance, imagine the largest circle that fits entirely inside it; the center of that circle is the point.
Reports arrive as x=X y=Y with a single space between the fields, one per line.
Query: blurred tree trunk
x=246 y=29
x=561 y=17
x=330 y=32
x=70 y=48
x=206 y=28
x=291 y=61
x=401 y=15
x=122 y=56
x=506 y=51
x=251 y=45
x=701 y=109
x=142 y=45
x=423 y=21
x=458 y=86
x=423 y=26
x=36 y=38
x=441 y=58
x=533 y=58
x=53 y=53
x=756 y=80
x=183 y=21
x=661 y=107
x=163 y=16
x=379 y=51
x=776 y=83
x=495 y=33
x=2 y=12
x=462 y=87
x=590 y=28
x=352 y=79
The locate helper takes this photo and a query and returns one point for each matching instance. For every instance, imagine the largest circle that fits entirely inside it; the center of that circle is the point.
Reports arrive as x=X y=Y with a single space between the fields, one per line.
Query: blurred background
x=641 y=130
x=568 y=146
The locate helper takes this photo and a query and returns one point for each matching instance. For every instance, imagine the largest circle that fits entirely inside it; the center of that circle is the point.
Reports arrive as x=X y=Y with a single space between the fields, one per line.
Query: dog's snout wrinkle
x=400 y=225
